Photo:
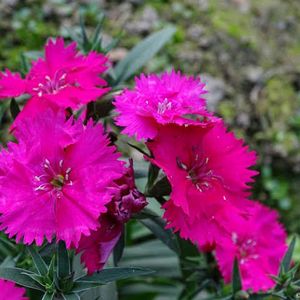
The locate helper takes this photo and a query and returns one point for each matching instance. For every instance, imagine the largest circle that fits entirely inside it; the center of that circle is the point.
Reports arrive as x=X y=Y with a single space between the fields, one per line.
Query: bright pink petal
x=55 y=179
x=171 y=98
x=258 y=243
x=10 y=292
x=11 y=84
x=196 y=161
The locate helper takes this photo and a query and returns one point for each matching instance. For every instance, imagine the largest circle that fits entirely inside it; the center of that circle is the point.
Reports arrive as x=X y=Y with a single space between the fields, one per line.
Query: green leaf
x=119 y=248
x=108 y=275
x=38 y=261
x=48 y=296
x=153 y=172
x=38 y=278
x=286 y=262
x=236 y=277
x=85 y=40
x=63 y=262
x=20 y=276
x=14 y=108
x=72 y=296
x=161 y=188
x=157 y=227
x=141 y=54
x=96 y=36
x=139 y=149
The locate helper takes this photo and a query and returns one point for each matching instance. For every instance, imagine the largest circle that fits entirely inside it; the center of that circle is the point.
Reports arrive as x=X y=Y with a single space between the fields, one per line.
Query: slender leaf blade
x=38 y=261
x=113 y=274
x=236 y=277
x=14 y=108
x=48 y=296
x=157 y=227
x=286 y=262
x=72 y=296
x=20 y=277
x=141 y=54
x=119 y=249
x=63 y=262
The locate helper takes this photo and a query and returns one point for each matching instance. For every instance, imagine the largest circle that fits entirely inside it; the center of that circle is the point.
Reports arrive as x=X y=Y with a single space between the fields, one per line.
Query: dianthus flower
x=208 y=169
x=259 y=244
x=203 y=165
x=10 y=291
x=159 y=100
x=127 y=200
x=54 y=181
x=64 y=78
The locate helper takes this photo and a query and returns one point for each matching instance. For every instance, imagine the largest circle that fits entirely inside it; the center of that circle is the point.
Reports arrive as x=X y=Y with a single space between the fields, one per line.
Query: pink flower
x=127 y=200
x=54 y=181
x=158 y=100
x=11 y=292
x=259 y=245
x=64 y=78
x=203 y=165
x=208 y=169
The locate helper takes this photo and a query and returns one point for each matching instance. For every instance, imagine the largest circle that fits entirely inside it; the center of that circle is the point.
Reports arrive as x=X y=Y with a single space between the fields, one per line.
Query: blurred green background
x=247 y=51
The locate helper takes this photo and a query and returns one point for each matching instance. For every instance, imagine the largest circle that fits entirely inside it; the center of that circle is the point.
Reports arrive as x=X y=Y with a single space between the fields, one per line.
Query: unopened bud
x=241 y=295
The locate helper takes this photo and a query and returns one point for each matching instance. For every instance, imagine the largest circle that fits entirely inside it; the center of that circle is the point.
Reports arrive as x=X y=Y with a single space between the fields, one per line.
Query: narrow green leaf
x=236 y=277
x=72 y=296
x=8 y=244
x=24 y=64
x=85 y=40
x=138 y=149
x=141 y=54
x=48 y=296
x=145 y=214
x=161 y=188
x=286 y=262
x=98 y=29
x=157 y=227
x=63 y=262
x=108 y=275
x=119 y=248
x=14 y=108
x=38 y=261
x=37 y=278
x=20 y=276
x=153 y=172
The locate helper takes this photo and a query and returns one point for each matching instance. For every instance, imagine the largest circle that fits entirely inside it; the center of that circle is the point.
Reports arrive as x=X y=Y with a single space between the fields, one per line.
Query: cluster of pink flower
x=63 y=179
x=209 y=171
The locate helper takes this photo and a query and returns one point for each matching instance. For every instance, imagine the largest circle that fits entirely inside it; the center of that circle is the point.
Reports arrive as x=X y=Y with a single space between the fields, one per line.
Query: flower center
x=246 y=248
x=199 y=172
x=163 y=106
x=53 y=178
x=52 y=85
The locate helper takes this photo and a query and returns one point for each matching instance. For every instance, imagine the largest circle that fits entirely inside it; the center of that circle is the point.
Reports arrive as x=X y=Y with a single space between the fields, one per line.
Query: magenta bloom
x=203 y=165
x=259 y=244
x=11 y=292
x=159 y=100
x=54 y=181
x=64 y=78
x=208 y=169
x=127 y=200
